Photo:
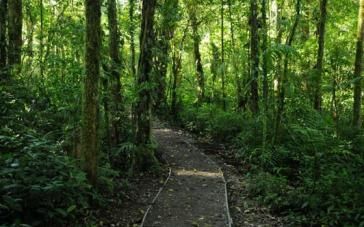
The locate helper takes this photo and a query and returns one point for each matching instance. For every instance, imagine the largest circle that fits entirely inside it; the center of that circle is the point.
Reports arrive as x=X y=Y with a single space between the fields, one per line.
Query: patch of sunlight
x=164 y=130
x=198 y=173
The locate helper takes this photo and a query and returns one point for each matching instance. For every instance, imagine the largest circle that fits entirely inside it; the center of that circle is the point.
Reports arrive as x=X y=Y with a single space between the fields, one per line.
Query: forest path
x=195 y=194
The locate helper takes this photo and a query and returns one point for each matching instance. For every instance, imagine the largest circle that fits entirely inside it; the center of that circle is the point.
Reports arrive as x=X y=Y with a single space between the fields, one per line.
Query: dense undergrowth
x=41 y=181
x=313 y=176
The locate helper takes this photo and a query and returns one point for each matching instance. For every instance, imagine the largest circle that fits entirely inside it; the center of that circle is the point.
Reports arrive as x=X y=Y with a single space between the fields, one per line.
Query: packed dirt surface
x=195 y=192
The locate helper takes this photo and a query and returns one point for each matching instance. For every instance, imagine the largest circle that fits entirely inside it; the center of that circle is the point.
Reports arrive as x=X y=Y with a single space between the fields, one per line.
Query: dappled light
x=198 y=173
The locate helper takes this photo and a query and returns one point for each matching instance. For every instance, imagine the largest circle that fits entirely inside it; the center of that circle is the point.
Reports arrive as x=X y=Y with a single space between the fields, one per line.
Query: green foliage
x=39 y=184
x=39 y=187
x=312 y=176
x=212 y=121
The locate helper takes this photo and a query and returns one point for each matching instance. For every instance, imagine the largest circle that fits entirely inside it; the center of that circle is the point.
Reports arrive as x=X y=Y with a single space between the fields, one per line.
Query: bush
x=42 y=187
x=210 y=120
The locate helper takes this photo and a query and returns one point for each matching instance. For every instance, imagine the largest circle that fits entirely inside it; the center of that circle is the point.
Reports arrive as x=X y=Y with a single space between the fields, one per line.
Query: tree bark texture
x=358 y=69
x=320 y=55
x=15 y=24
x=254 y=57
x=89 y=130
x=114 y=53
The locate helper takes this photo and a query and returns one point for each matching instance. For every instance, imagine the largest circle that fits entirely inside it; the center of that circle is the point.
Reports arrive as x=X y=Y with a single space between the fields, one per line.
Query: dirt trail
x=195 y=194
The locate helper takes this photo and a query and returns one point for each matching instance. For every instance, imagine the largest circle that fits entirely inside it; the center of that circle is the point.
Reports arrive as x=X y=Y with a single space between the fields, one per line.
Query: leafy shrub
x=42 y=187
x=212 y=121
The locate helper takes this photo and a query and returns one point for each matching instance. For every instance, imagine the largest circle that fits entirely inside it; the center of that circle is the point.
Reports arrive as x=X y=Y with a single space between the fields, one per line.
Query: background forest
x=277 y=81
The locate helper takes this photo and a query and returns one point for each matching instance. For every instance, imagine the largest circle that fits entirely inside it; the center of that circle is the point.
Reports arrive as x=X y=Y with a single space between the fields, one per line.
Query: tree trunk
x=15 y=16
x=254 y=57
x=41 y=38
x=3 y=41
x=114 y=53
x=358 y=69
x=89 y=130
x=265 y=55
x=239 y=95
x=265 y=70
x=215 y=65
x=197 y=56
x=176 y=73
x=145 y=156
x=165 y=35
x=132 y=34
x=223 y=76
x=320 y=55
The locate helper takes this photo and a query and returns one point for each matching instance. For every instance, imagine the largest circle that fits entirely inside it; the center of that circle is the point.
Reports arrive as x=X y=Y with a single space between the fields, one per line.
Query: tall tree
x=239 y=93
x=223 y=76
x=320 y=55
x=265 y=69
x=169 y=12
x=254 y=56
x=146 y=156
x=265 y=54
x=132 y=36
x=3 y=41
x=114 y=53
x=15 y=17
x=200 y=76
x=358 y=69
x=89 y=130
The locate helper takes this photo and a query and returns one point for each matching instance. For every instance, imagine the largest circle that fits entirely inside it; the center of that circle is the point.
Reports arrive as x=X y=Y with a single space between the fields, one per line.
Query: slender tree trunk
x=165 y=35
x=358 y=69
x=15 y=16
x=176 y=73
x=320 y=55
x=30 y=22
x=265 y=55
x=283 y=83
x=223 y=76
x=89 y=130
x=3 y=41
x=41 y=46
x=265 y=70
x=254 y=57
x=132 y=36
x=197 y=56
x=239 y=95
x=132 y=55
x=114 y=53
x=215 y=65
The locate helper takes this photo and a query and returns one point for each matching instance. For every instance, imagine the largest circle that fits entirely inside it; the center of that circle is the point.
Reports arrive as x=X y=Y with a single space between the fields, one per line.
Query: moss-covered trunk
x=3 y=47
x=89 y=130
x=254 y=56
x=145 y=156
x=358 y=69
x=320 y=55
x=197 y=57
x=114 y=52
x=15 y=17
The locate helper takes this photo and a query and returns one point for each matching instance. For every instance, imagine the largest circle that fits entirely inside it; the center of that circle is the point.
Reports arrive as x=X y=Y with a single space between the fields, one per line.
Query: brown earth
x=194 y=194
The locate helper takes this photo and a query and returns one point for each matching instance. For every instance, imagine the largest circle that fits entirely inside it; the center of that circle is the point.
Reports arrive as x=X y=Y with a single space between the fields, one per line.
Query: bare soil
x=195 y=192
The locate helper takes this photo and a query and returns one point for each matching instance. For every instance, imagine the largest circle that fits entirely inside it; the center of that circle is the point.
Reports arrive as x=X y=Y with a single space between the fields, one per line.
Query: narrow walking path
x=195 y=194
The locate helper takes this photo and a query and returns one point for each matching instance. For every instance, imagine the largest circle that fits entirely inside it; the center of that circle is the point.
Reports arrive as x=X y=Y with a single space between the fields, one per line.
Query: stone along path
x=195 y=193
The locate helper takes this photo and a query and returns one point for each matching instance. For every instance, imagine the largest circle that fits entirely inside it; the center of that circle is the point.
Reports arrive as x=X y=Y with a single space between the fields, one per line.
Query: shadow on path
x=195 y=194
